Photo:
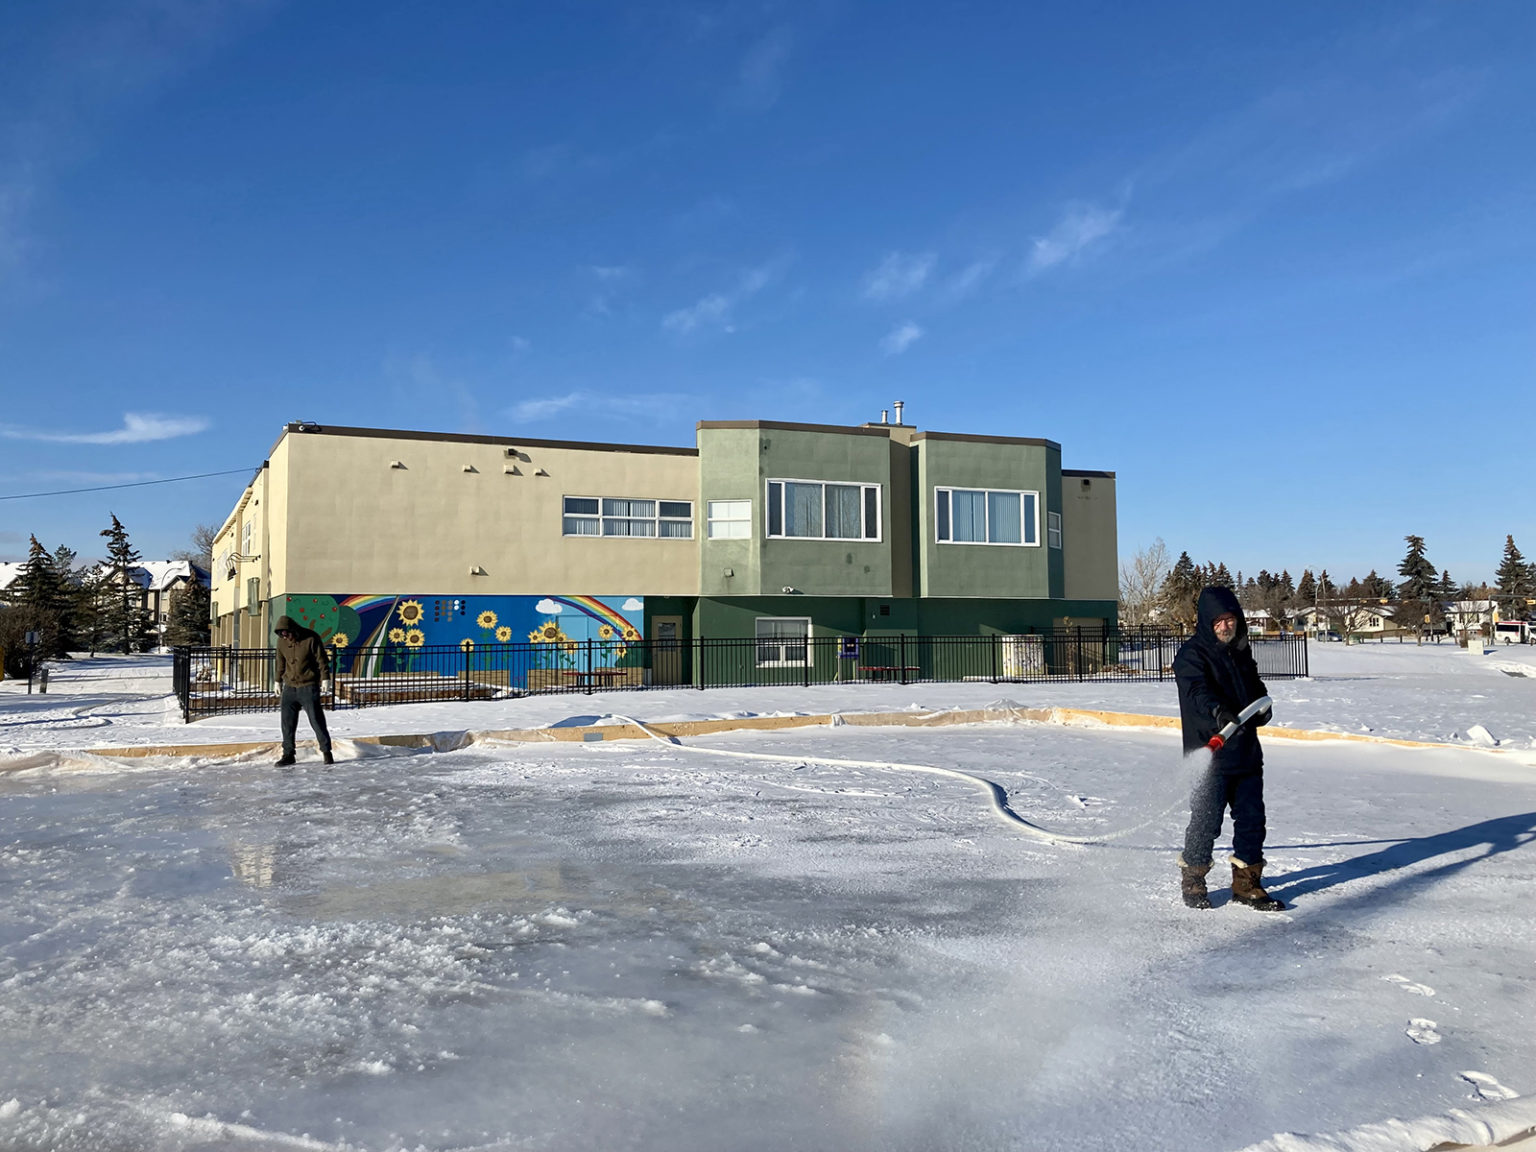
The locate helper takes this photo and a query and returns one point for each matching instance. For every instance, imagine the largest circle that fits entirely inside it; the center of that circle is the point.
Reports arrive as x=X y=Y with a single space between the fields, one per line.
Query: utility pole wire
x=135 y=484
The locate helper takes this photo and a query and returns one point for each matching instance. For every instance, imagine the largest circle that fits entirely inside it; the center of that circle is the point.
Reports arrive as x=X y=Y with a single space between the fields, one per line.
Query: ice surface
x=632 y=945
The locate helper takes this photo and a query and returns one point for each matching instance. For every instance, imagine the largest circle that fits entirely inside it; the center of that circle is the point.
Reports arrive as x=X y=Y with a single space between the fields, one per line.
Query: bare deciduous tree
x=1141 y=580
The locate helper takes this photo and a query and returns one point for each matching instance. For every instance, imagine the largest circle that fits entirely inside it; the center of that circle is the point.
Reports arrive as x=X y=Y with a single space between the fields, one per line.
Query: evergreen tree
x=1221 y=577
x=1306 y=591
x=1516 y=583
x=42 y=596
x=1448 y=588
x=1376 y=587
x=188 y=623
x=1419 y=594
x=1181 y=591
x=125 y=619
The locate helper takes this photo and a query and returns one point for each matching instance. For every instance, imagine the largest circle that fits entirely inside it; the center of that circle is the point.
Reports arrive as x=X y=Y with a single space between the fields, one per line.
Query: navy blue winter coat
x=1212 y=676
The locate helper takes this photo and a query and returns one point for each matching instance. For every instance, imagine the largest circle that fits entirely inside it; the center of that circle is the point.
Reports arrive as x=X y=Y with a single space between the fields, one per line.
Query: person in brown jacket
x=302 y=667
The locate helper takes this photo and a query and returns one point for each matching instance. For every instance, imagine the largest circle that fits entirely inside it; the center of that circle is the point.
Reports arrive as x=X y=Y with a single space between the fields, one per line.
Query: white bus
x=1512 y=632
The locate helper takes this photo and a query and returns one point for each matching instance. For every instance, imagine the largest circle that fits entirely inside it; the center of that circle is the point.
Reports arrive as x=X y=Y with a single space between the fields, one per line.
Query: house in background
x=153 y=585
x=764 y=529
x=10 y=572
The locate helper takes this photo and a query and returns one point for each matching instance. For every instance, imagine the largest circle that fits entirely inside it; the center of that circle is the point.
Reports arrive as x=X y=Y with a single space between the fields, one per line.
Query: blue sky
x=1272 y=264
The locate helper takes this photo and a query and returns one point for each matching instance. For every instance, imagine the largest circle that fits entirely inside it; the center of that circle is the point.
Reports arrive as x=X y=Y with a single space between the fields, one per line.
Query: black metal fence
x=214 y=680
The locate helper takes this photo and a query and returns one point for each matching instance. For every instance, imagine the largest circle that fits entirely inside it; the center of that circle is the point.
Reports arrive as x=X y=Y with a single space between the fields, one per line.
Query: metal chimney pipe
x=898 y=405
x=884 y=416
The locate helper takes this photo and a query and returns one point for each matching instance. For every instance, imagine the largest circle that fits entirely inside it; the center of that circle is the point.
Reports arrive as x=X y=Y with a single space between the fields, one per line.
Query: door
x=666 y=649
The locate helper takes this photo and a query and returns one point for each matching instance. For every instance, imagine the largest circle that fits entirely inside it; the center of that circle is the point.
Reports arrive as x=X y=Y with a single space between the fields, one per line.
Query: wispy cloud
x=900 y=338
x=968 y=279
x=717 y=309
x=80 y=73
x=595 y=406
x=138 y=428
x=1081 y=227
x=760 y=80
x=898 y=275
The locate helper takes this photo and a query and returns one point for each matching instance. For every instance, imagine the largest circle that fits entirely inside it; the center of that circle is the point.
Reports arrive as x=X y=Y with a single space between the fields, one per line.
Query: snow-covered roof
x=10 y=572
x=158 y=575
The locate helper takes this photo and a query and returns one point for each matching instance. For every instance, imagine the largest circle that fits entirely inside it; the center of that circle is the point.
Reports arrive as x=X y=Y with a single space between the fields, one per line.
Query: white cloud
x=1080 y=227
x=711 y=309
x=542 y=408
x=899 y=339
x=642 y=405
x=715 y=309
x=898 y=275
x=969 y=278
x=138 y=428
x=548 y=607
x=633 y=605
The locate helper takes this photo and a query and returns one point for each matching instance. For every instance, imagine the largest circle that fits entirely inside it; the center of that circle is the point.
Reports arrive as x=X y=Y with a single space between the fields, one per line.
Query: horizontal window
x=815 y=510
x=783 y=641
x=624 y=516
x=985 y=516
x=729 y=519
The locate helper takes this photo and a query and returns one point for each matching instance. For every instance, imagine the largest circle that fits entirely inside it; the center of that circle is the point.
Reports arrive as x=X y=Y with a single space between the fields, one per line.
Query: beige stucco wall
x=229 y=593
x=351 y=523
x=1090 y=555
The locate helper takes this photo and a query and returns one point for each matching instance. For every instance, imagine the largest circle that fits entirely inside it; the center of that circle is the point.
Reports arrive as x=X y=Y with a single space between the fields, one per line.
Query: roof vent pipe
x=898 y=405
x=885 y=416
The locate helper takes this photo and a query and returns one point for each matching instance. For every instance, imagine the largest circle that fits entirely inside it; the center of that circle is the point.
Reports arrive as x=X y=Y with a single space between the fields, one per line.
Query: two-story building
x=764 y=529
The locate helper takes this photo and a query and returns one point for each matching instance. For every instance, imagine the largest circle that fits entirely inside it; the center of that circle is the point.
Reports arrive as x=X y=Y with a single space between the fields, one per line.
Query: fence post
x=903 y=636
x=810 y=655
x=465 y=653
x=994 y=657
x=1077 y=642
x=591 y=675
x=698 y=661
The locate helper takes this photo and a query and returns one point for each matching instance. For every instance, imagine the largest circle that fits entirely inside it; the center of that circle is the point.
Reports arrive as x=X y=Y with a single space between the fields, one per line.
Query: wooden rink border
x=591 y=733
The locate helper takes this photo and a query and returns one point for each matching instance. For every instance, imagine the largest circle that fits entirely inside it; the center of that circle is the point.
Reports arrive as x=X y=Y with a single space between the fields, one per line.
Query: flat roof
x=968 y=438
x=1087 y=472
x=782 y=426
x=462 y=438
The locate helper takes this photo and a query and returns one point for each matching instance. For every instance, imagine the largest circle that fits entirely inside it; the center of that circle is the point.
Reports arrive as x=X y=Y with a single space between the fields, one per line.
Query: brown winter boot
x=1248 y=889
x=1192 y=885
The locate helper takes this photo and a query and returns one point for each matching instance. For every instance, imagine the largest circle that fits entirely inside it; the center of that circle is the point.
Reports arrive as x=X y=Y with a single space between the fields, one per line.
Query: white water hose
x=1215 y=742
x=996 y=793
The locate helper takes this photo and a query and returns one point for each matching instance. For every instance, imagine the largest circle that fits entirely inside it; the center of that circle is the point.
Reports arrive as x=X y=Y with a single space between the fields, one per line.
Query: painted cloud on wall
x=548 y=607
x=633 y=604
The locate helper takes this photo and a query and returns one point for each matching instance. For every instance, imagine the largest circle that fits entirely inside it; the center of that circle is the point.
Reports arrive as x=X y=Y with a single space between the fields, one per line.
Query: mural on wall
x=369 y=635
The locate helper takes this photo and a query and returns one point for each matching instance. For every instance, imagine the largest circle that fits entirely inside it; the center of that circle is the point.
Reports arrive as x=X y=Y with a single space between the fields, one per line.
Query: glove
x=1223 y=718
x=1263 y=717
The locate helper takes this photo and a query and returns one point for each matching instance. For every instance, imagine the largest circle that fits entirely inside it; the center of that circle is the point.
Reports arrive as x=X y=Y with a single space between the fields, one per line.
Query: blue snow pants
x=1243 y=793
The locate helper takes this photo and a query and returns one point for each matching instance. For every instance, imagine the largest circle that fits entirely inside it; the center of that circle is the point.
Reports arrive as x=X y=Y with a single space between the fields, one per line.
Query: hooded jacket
x=301 y=658
x=1213 y=676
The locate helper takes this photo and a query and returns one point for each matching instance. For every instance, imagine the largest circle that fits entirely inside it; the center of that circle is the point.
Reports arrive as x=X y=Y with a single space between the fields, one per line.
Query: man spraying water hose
x=1218 y=679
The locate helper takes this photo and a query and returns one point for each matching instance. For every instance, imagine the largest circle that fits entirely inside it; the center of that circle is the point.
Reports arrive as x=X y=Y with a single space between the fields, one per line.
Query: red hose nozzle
x=1215 y=743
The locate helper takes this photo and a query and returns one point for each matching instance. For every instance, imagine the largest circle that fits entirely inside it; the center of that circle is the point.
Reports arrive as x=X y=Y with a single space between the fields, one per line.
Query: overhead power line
x=134 y=484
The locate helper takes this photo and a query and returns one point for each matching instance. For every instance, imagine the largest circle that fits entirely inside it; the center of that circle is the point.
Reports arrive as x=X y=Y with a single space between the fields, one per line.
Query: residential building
x=154 y=585
x=763 y=529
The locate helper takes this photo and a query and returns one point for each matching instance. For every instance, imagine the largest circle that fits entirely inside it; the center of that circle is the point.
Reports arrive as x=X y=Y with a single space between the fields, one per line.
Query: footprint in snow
x=1485 y=1087
x=1423 y=1031
x=1408 y=985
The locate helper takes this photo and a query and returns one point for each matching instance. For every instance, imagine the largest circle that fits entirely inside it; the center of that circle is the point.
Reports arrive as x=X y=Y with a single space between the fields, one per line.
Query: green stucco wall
x=984 y=570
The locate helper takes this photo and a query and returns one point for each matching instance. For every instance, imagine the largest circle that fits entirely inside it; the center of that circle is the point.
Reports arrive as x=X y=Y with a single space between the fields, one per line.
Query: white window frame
x=656 y=520
x=942 y=493
x=711 y=520
x=783 y=661
x=1053 y=529
x=864 y=490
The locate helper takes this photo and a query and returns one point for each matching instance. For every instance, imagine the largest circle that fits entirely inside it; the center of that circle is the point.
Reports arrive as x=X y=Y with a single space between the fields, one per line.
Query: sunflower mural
x=381 y=634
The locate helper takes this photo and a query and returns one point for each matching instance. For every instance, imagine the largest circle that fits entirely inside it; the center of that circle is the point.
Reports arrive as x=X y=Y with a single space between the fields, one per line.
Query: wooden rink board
x=451 y=741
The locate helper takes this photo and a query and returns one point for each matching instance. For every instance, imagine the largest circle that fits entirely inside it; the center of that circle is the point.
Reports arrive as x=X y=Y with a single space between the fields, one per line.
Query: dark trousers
x=305 y=698
x=1243 y=793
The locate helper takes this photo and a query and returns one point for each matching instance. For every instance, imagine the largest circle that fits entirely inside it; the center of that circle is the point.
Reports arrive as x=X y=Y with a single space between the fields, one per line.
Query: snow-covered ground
x=633 y=945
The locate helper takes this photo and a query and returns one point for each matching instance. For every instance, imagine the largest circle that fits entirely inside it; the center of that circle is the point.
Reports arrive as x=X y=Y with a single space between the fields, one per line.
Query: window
x=730 y=519
x=1053 y=529
x=813 y=510
x=783 y=641
x=985 y=516
x=611 y=516
x=245 y=538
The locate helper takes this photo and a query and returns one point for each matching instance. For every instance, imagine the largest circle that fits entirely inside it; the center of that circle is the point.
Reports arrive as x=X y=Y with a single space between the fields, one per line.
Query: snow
x=638 y=945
